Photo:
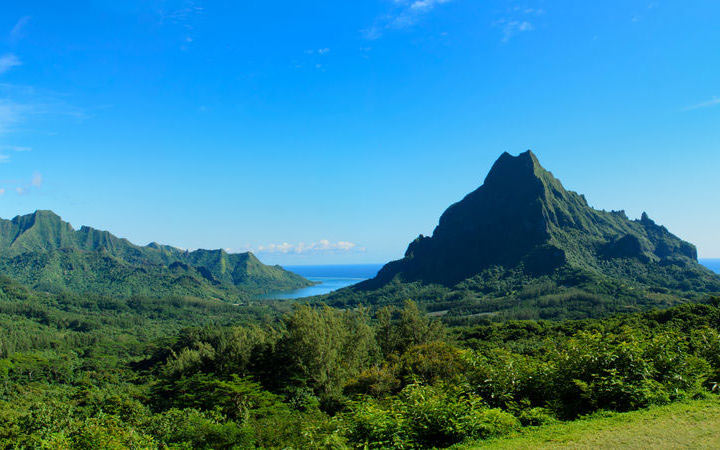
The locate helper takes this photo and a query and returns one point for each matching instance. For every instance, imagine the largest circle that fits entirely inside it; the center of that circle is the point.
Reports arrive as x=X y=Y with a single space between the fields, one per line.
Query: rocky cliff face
x=523 y=218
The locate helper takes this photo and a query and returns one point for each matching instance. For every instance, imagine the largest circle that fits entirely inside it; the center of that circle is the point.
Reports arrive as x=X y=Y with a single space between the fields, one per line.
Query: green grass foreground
x=692 y=424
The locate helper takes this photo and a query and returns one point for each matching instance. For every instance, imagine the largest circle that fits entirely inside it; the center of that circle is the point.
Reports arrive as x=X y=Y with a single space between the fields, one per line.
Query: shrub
x=102 y=432
x=534 y=417
x=432 y=362
x=371 y=425
x=503 y=378
x=197 y=429
x=425 y=416
x=438 y=418
x=375 y=381
x=621 y=372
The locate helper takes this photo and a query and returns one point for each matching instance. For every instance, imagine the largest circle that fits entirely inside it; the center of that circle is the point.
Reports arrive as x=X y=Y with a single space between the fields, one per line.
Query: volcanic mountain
x=46 y=253
x=522 y=229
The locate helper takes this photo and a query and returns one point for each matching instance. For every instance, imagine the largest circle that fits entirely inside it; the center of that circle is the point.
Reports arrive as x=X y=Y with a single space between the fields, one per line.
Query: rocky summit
x=522 y=225
x=523 y=217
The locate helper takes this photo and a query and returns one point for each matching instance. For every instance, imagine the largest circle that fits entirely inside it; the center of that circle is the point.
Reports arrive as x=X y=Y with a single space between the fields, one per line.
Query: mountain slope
x=522 y=226
x=44 y=252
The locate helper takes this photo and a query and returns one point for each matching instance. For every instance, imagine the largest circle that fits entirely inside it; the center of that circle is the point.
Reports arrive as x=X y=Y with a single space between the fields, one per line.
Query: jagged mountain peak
x=39 y=216
x=514 y=168
x=45 y=213
x=523 y=218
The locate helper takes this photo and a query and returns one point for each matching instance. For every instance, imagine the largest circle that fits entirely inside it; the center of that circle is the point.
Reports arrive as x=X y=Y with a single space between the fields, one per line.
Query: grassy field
x=694 y=424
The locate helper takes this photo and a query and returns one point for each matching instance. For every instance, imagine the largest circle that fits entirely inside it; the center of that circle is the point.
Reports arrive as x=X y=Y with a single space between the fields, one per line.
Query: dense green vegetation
x=47 y=254
x=95 y=372
x=498 y=294
x=521 y=246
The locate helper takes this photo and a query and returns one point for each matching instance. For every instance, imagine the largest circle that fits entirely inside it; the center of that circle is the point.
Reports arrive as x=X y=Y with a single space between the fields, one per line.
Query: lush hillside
x=46 y=253
x=521 y=245
x=78 y=372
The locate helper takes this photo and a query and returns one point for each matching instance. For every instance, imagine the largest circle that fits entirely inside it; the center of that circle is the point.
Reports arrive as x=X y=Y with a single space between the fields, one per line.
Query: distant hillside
x=522 y=245
x=46 y=253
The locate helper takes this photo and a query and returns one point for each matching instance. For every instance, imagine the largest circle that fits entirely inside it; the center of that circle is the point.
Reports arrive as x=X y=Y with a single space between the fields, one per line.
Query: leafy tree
x=322 y=348
x=400 y=329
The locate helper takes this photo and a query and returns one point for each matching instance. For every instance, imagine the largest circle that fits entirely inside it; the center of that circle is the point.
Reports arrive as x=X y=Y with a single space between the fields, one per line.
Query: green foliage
x=425 y=416
x=594 y=371
x=47 y=254
x=323 y=348
x=399 y=329
x=238 y=399
x=78 y=372
x=433 y=362
x=706 y=344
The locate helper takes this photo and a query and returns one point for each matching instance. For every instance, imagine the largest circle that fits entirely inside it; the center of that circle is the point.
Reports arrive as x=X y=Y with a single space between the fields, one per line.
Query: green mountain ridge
x=521 y=229
x=47 y=253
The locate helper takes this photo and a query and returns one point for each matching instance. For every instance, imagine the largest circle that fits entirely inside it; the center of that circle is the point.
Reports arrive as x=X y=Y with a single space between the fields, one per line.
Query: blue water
x=330 y=278
x=712 y=264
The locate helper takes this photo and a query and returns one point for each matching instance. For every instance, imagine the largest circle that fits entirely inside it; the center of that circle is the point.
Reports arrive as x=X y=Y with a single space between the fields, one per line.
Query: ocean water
x=330 y=278
x=712 y=264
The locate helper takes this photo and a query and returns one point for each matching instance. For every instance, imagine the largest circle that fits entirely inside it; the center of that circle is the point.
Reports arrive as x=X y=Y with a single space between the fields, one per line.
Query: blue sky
x=335 y=132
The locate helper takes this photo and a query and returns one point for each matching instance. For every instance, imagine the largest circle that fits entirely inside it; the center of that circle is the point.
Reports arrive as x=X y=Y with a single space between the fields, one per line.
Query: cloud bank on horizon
x=323 y=246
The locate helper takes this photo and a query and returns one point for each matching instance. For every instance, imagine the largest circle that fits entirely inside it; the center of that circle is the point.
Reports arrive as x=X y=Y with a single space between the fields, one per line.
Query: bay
x=329 y=278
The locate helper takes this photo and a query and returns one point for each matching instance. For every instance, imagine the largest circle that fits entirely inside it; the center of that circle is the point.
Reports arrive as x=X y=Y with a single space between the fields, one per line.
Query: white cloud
x=313 y=58
x=322 y=246
x=19 y=103
x=706 y=104
x=182 y=15
x=17 y=31
x=11 y=113
x=320 y=51
x=536 y=11
x=512 y=28
x=21 y=187
x=8 y=61
x=405 y=13
x=15 y=148
x=518 y=21
x=4 y=157
x=424 y=5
